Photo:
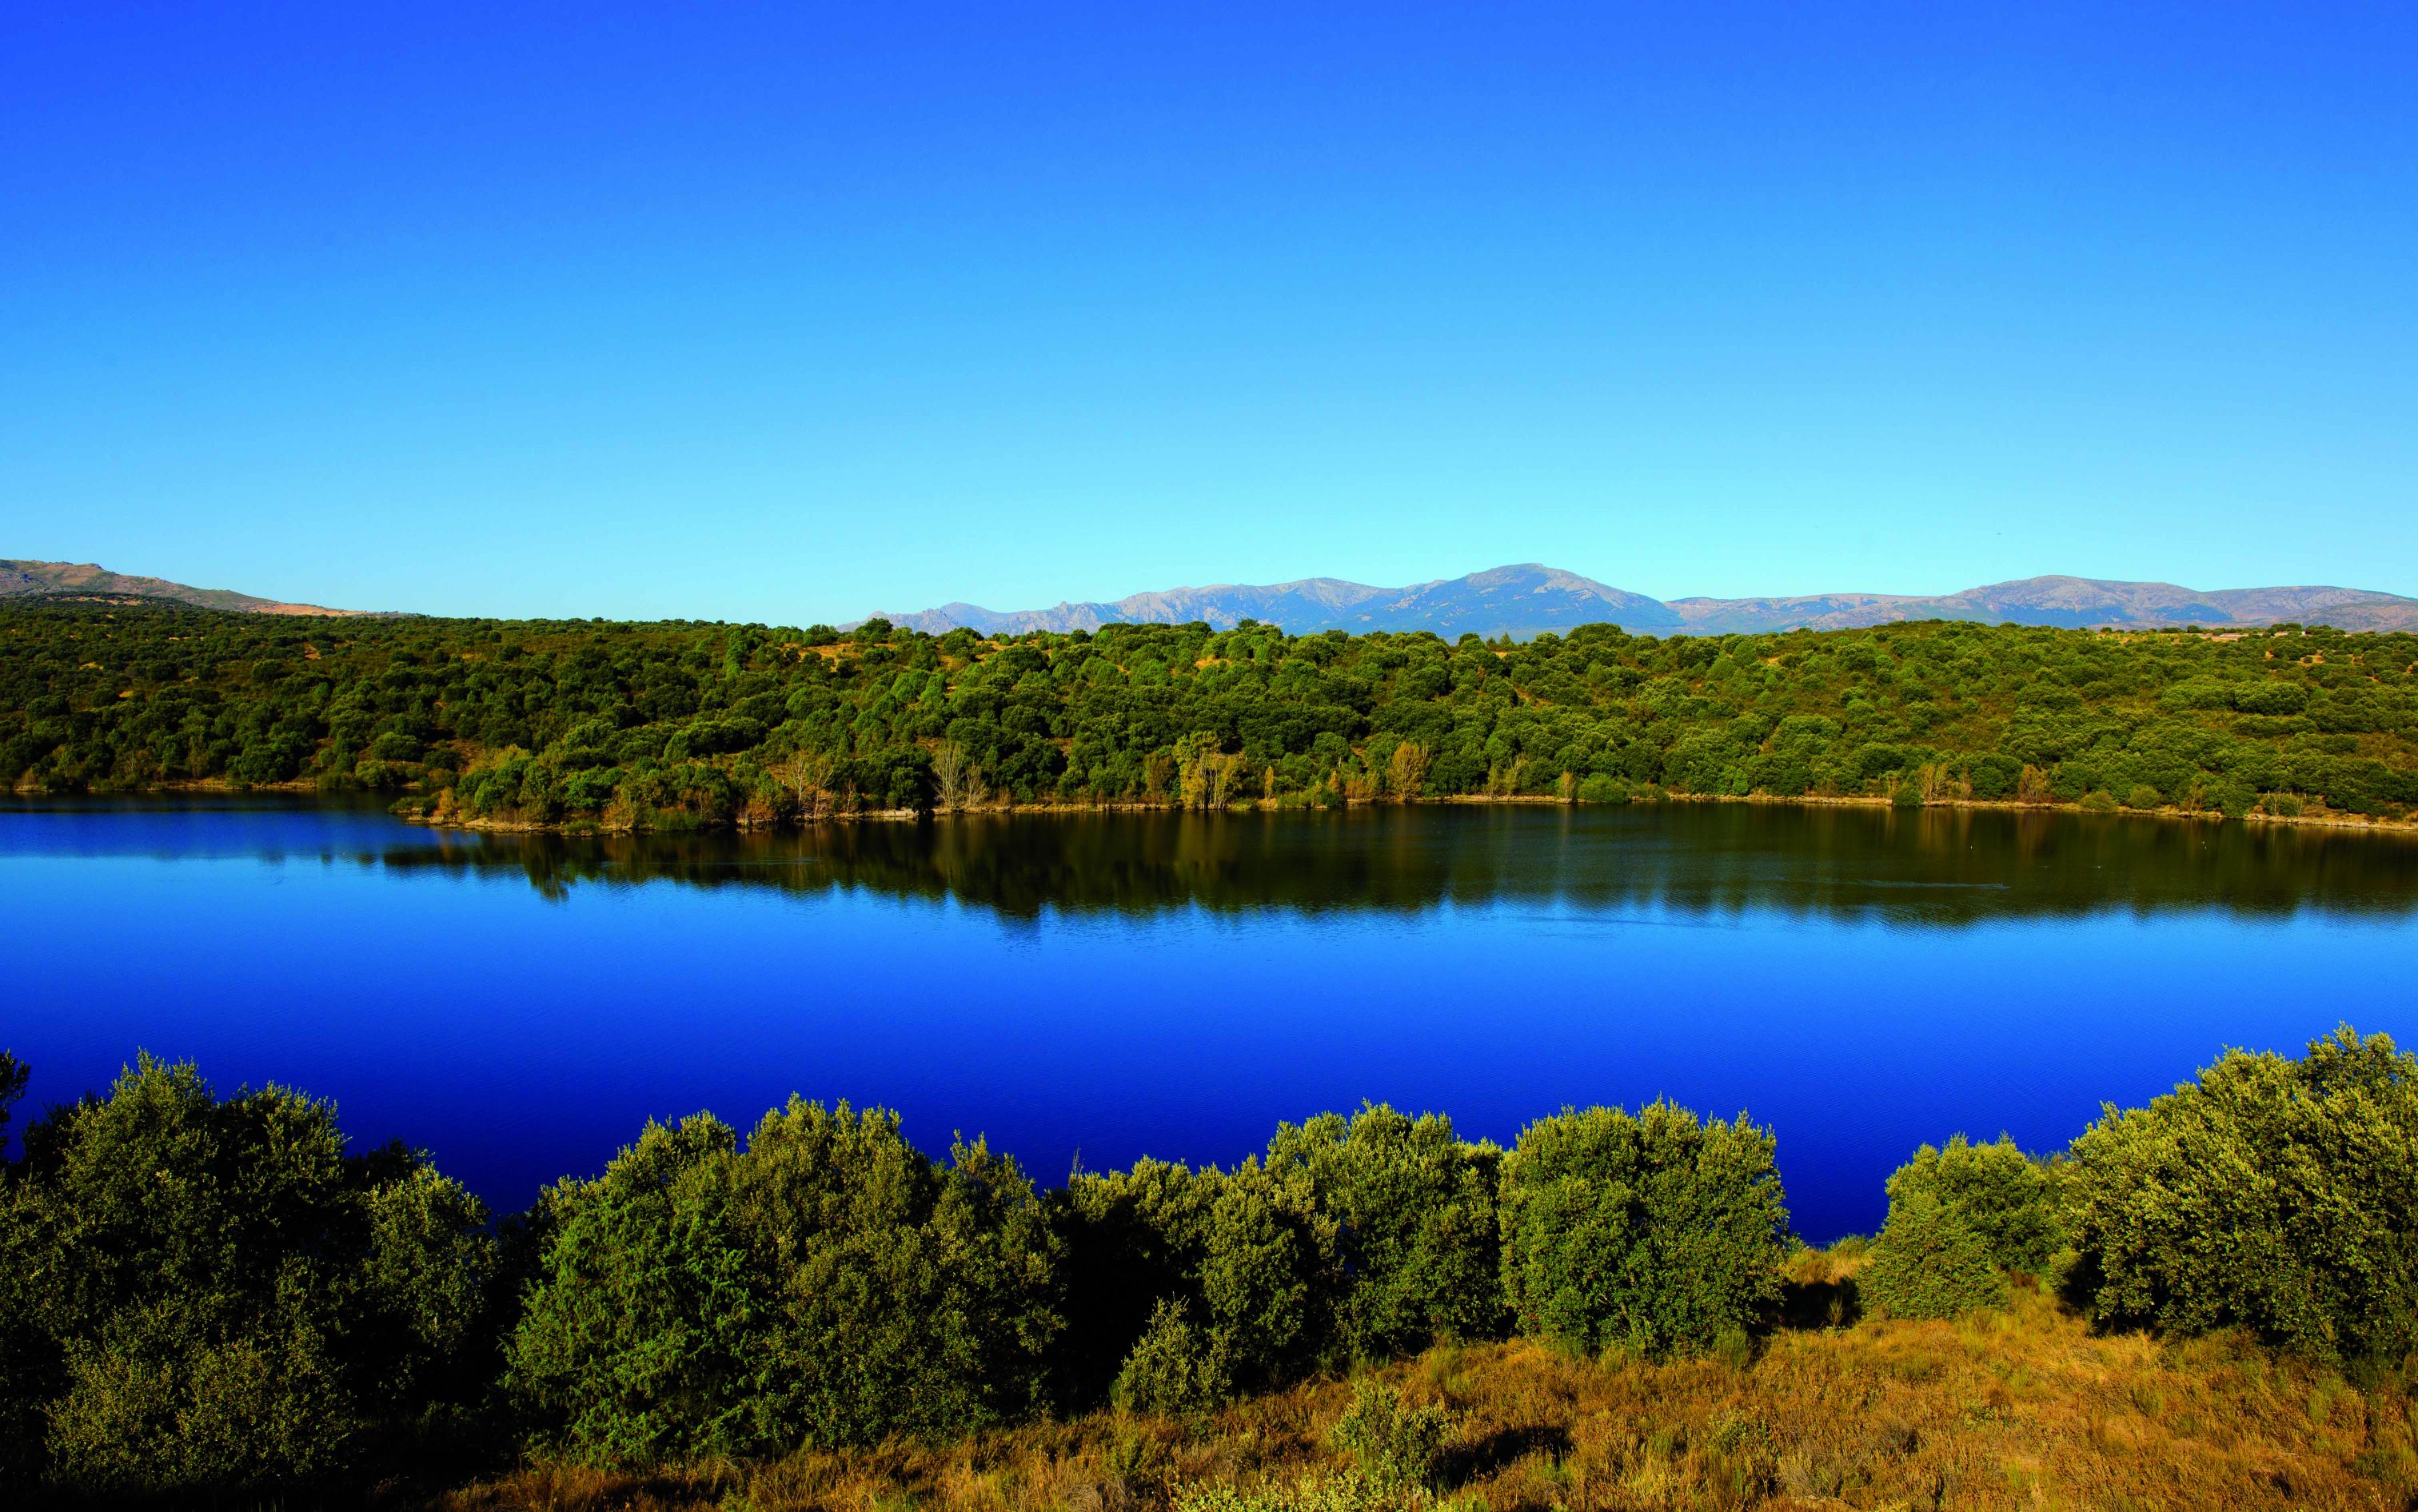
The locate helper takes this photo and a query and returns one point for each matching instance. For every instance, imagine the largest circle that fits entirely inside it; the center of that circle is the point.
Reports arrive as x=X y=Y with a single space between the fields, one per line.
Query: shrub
x=1931 y=1262
x=1995 y=775
x=1262 y=1271
x=829 y=1285
x=1364 y=1237
x=27 y=1352
x=212 y=1297
x=1652 y=1233
x=1398 y=1445
x=1132 y=1242
x=1603 y=788
x=1173 y=1367
x=2271 y=1193
x=1311 y=1494
x=1411 y=1209
x=2007 y=1199
x=13 y=1073
x=635 y=1340
x=2099 y=801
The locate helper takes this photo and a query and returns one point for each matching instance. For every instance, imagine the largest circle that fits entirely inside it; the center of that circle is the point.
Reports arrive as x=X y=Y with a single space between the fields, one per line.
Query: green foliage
x=1413 y=1210
x=1188 y=1285
x=208 y=1296
x=13 y=1073
x=1365 y=1237
x=29 y=1355
x=1175 y=1367
x=1654 y=1234
x=2005 y=1197
x=1398 y=1445
x=635 y=1342
x=1602 y=788
x=1959 y=1219
x=1930 y=1262
x=680 y=723
x=2271 y=1193
x=827 y=1284
x=1311 y=1494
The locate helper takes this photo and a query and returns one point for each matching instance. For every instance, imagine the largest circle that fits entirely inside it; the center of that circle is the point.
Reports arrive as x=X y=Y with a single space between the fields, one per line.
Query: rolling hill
x=89 y=580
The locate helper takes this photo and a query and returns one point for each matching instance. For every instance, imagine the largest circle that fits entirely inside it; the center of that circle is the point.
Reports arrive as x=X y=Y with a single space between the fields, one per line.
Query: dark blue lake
x=1105 y=987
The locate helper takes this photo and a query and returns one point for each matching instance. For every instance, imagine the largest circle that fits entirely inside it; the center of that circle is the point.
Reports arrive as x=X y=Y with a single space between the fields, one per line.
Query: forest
x=681 y=723
x=217 y=1296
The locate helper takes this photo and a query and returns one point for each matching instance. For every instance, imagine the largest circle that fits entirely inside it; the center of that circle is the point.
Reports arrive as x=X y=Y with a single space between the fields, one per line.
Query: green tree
x=2271 y=1193
x=2009 y=1199
x=828 y=1285
x=1189 y=1286
x=1414 y=1212
x=1655 y=1232
x=212 y=1296
x=636 y=1341
x=1930 y=1262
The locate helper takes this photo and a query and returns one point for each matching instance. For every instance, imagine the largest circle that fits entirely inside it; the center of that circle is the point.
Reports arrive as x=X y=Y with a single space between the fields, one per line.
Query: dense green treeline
x=681 y=723
x=207 y=1295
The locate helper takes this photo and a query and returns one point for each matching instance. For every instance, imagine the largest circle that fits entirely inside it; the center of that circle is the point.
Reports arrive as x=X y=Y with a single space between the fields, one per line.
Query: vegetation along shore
x=2210 y=1300
x=683 y=724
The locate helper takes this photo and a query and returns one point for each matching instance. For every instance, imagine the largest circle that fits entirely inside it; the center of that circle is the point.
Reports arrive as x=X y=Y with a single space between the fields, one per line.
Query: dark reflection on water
x=1113 y=984
x=1931 y=866
x=1940 y=867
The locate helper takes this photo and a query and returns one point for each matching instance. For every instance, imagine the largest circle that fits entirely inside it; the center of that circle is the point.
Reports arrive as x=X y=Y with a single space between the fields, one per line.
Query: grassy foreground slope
x=686 y=724
x=2023 y=1407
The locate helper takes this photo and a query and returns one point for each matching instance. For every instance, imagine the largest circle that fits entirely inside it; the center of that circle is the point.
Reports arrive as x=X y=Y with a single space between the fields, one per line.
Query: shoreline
x=2322 y=822
x=891 y=815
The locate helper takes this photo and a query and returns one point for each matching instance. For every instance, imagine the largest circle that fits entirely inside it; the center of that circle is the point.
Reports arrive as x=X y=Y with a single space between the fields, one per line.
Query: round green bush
x=2271 y=1194
x=2004 y=1196
x=1654 y=1234
x=1416 y=1248
x=1603 y=788
x=1930 y=1262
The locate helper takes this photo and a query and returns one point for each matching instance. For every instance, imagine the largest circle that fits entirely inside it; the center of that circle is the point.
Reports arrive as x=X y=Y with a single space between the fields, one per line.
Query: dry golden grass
x=2021 y=1409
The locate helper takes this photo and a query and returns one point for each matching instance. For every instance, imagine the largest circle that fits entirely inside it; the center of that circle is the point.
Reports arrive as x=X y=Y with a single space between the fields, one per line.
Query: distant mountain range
x=1520 y=601
x=87 y=580
x=1525 y=600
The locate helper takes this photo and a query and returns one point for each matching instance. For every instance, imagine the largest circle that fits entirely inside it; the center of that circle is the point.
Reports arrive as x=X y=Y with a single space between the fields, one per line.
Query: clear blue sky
x=790 y=313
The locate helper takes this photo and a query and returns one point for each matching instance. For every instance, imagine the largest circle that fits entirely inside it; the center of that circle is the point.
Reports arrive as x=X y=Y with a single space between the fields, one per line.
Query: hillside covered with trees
x=684 y=724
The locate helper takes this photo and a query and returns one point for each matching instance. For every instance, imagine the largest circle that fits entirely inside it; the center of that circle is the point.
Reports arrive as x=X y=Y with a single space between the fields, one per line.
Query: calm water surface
x=1101 y=987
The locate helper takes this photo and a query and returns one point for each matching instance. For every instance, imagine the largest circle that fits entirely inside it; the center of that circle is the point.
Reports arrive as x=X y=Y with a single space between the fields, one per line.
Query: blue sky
x=792 y=312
